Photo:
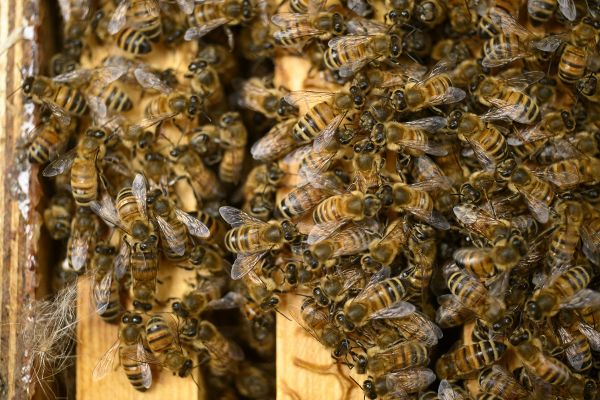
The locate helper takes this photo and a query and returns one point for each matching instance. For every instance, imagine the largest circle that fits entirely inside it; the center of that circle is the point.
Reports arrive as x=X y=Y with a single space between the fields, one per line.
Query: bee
x=204 y=182
x=133 y=356
x=368 y=41
x=430 y=13
x=433 y=90
x=508 y=96
x=416 y=201
x=591 y=240
x=322 y=120
x=537 y=193
x=205 y=83
x=277 y=142
x=471 y=293
x=80 y=245
x=208 y=16
x=136 y=23
x=488 y=23
x=479 y=222
x=61 y=99
x=403 y=383
x=565 y=285
x=338 y=209
x=576 y=54
x=421 y=253
x=576 y=345
x=402 y=355
x=498 y=382
x=46 y=141
x=224 y=354
x=259 y=95
x=451 y=312
x=381 y=298
x=58 y=215
x=385 y=249
x=163 y=343
x=351 y=239
x=317 y=321
x=106 y=287
x=174 y=106
x=417 y=326
x=570 y=173
x=410 y=137
x=233 y=138
x=589 y=88
x=333 y=287
x=467 y=359
x=540 y=11
x=565 y=238
x=250 y=238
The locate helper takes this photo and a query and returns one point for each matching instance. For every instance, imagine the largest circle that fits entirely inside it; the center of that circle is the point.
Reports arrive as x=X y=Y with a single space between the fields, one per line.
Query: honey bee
x=206 y=83
x=541 y=11
x=338 y=209
x=368 y=41
x=421 y=254
x=488 y=23
x=250 y=238
x=167 y=107
x=537 y=193
x=381 y=298
x=133 y=356
x=498 y=382
x=472 y=294
x=259 y=95
x=224 y=354
x=467 y=359
x=411 y=137
x=565 y=286
x=433 y=90
x=137 y=23
x=203 y=180
x=106 y=287
x=351 y=239
x=576 y=345
x=58 y=215
x=209 y=15
x=589 y=88
x=80 y=246
x=417 y=326
x=162 y=341
x=403 y=383
x=430 y=12
x=481 y=223
x=576 y=55
x=565 y=238
x=451 y=312
x=507 y=95
x=385 y=249
x=277 y=142
x=570 y=173
x=378 y=361
x=46 y=141
x=416 y=201
x=233 y=137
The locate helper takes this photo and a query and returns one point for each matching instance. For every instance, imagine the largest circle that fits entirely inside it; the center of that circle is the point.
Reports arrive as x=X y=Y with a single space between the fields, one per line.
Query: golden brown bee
x=433 y=90
x=381 y=298
x=259 y=95
x=485 y=263
x=80 y=246
x=349 y=54
x=233 y=137
x=410 y=137
x=106 y=286
x=317 y=321
x=472 y=294
x=162 y=341
x=250 y=238
x=136 y=23
x=565 y=238
x=47 y=141
x=403 y=382
x=564 y=285
x=337 y=209
x=295 y=29
x=378 y=361
x=174 y=106
x=570 y=173
x=385 y=249
x=203 y=180
x=350 y=239
x=62 y=100
x=224 y=354
x=416 y=201
x=577 y=347
x=541 y=11
x=212 y=14
x=497 y=381
x=417 y=326
x=206 y=83
x=469 y=358
x=481 y=223
x=488 y=26
x=537 y=193
x=275 y=143
x=333 y=287
x=133 y=356
x=58 y=215
x=451 y=312
x=421 y=255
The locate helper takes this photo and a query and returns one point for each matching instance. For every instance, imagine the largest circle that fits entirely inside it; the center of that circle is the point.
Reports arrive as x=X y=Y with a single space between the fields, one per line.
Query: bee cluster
x=440 y=171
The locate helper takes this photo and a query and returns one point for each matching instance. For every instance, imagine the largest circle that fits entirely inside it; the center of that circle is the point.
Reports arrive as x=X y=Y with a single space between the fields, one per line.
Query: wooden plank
x=305 y=368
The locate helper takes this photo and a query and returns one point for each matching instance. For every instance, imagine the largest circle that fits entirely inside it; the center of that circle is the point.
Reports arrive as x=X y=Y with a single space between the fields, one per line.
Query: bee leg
x=229 y=37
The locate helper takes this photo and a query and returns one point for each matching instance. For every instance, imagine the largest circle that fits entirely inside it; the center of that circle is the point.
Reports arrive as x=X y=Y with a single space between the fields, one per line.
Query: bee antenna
x=282 y=314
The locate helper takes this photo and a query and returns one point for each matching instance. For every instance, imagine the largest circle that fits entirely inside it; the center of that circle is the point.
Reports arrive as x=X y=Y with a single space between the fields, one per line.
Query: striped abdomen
x=313 y=122
x=216 y=228
x=329 y=210
x=541 y=10
x=144 y=265
x=503 y=47
x=127 y=207
x=159 y=335
x=301 y=200
x=383 y=294
x=246 y=239
x=46 y=145
x=547 y=369
x=470 y=291
x=526 y=109
x=491 y=143
x=469 y=358
x=335 y=57
x=563 y=243
x=84 y=181
x=146 y=19
x=477 y=261
x=131 y=366
x=133 y=41
x=72 y=100
x=111 y=310
x=113 y=96
x=572 y=64
x=571 y=281
x=230 y=168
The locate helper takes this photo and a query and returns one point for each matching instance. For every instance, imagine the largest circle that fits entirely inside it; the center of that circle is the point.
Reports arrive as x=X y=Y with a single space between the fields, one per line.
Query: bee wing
x=227 y=302
x=150 y=80
x=429 y=148
x=105 y=364
x=429 y=124
x=59 y=113
x=139 y=190
x=364 y=27
x=80 y=244
x=360 y=7
x=561 y=178
x=61 y=164
x=320 y=232
x=327 y=136
x=550 y=43
x=486 y=162
x=121 y=260
x=97 y=106
x=538 y=208
x=567 y=8
x=592 y=335
x=446 y=64
x=196 y=32
x=250 y=93
x=151 y=121
x=452 y=95
x=409 y=380
x=446 y=392
x=174 y=244
x=500 y=113
x=397 y=310
x=591 y=244
x=349 y=69
x=574 y=357
x=275 y=143
x=508 y=24
x=195 y=226
x=186 y=6
x=244 y=263
x=308 y=97
x=350 y=277
x=503 y=53
x=433 y=218
x=118 y=19
x=236 y=217
x=288 y=20
x=524 y=80
x=583 y=298
x=106 y=210
x=101 y=293
x=145 y=370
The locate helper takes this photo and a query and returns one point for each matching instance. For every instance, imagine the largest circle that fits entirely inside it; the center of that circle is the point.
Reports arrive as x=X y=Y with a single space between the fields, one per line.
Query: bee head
x=398 y=100
x=179 y=309
x=28 y=84
x=369 y=389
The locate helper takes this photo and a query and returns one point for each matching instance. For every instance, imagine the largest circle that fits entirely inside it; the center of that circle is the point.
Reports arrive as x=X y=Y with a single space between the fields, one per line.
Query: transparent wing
x=106 y=362
x=409 y=380
x=446 y=64
x=97 y=106
x=244 y=263
x=349 y=41
x=452 y=95
x=572 y=353
x=236 y=217
x=591 y=244
x=429 y=148
x=592 y=335
x=61 y=164
x=288 y=20
x=486 y=162
x=150 y=121
x=106 y=210
x=538 y=208
x=150 y=80
x=524 y=80
x=561 y=178
x=101 y=293
x=145 y=370
x=350 y=68
x=583 y=298
x=196 y=32
x=139 y=190
x=550 y=43
x=324 y=139
x=118 y=19
x=122 y=260
x=195 y=226
x=308 y=97
x=80 y=244
x=508 y=24
x=186 y=6
x=398 y=310
x=59 y=113
x=501 y=113
x=275 y=143
x=433 y=217
x=567 y=8
x=176 y=246
x=429 y=124
x=360 y=7
x=102 y=76
x=364 y=27
x=320 y=232
x=503 y=53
